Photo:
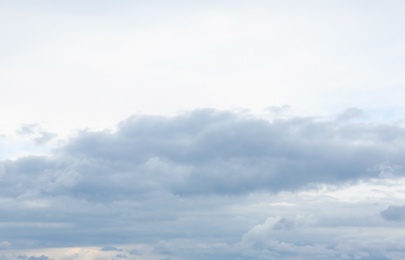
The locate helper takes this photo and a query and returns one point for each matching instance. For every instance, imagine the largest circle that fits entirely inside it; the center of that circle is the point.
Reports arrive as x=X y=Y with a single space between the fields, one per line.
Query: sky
x=202 y=129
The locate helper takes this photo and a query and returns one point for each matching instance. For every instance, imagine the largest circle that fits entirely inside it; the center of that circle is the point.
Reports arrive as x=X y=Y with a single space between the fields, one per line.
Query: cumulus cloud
x=206 y=184
x=208 y=151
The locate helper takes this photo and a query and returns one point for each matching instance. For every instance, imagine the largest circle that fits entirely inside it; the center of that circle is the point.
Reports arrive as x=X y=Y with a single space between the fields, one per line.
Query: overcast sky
x=202 y=129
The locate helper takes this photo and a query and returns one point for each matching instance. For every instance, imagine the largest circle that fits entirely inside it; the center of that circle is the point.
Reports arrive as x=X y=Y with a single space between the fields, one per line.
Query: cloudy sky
x=202 y=129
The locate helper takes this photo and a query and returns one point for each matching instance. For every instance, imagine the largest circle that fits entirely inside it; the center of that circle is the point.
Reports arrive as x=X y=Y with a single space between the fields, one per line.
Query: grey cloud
x=27 y=129
x=375 y=257
x=350 y=113
x=36 y=133
x=44 y=137
x=42 y=257
x=155 y=178
x=394 y=213
x=110 y=248
x=208 y=152
x=283 y=224
x=134 y=252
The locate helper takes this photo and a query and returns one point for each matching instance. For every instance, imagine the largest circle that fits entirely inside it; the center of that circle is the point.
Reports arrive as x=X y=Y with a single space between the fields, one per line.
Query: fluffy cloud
x=207 y=151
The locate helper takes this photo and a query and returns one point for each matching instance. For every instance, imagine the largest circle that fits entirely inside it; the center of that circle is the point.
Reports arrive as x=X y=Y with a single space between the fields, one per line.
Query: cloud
x=110 y=248
x=209 y=152
x=349 y=114
x=283 y=224
x=209 y=184
x=36 y=133
x=5 y=244
x=42 y=257
x=394 y=213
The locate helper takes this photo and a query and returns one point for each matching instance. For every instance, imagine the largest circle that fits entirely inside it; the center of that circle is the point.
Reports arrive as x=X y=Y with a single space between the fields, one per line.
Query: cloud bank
x=199 y=176
x=211 y=152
